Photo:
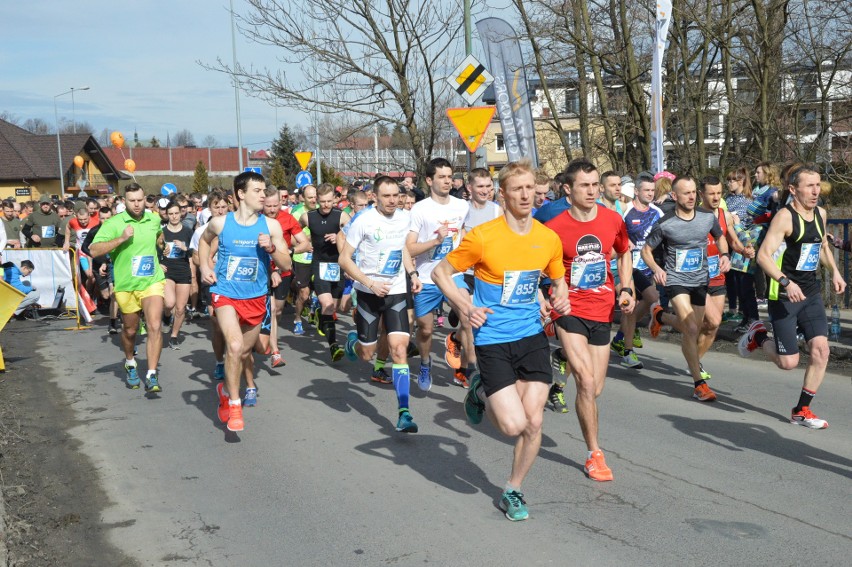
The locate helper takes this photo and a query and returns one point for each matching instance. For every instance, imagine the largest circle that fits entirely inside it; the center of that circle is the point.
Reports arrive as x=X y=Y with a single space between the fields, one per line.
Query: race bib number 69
x=142 y=266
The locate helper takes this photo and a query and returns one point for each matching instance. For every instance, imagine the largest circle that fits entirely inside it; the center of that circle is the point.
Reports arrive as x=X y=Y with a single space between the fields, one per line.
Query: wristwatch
x=627 y=290
x=413 y=273
x=783 y=281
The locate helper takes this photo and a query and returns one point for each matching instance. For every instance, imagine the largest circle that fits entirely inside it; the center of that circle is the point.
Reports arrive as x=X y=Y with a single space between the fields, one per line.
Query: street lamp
x=58 y=142
x=236 y=88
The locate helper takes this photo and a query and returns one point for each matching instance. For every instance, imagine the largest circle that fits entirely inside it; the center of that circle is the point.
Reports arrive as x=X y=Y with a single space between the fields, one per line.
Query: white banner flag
x=664 y=12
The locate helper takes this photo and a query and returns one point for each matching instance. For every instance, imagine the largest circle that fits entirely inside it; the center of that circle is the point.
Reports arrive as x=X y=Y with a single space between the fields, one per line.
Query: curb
x=4 y=559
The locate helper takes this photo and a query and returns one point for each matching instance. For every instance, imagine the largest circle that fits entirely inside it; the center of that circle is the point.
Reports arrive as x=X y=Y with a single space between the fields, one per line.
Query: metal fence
x=840 y=229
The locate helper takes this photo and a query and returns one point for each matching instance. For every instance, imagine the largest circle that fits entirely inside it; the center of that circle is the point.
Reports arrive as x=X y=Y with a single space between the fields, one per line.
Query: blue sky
x=139 y=59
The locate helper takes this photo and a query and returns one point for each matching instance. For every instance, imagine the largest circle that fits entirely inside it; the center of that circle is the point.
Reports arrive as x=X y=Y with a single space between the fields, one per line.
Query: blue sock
x=619 y=336
x=402 y=384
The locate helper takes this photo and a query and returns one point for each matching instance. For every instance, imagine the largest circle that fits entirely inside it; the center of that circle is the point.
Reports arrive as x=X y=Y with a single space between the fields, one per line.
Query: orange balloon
x=117 y=139
x=130 y=165
x=79 y=161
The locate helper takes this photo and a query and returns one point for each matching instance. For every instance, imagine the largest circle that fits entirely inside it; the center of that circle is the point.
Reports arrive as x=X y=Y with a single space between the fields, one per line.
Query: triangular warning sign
x=471 y=123
x=304 y=158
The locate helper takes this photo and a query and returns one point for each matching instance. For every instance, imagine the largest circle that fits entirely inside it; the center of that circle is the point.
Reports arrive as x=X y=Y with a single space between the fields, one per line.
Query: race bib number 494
x=809 y=257
x=689 y=260
x=520 y=287
x=142 y=266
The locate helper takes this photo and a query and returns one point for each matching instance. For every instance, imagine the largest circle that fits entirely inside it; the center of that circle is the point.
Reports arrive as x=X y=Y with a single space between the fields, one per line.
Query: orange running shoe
x=596 y=468
x=703 y=393
x=223 y=410
x=459 y=379
x=277 y=360
x=654 y=326
x=235 y=420
x=453 y=355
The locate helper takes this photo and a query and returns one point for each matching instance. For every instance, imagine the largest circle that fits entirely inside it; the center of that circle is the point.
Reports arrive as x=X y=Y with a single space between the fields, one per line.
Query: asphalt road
x=320 y=476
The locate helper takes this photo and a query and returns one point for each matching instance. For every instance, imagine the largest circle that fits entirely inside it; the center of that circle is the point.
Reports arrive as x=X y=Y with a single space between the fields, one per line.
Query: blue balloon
x=168 y=189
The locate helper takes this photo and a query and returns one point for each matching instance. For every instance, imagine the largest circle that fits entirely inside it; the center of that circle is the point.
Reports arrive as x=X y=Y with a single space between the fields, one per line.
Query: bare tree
x=183 y=138
x=378 y=60
x=209 y=141
x=9 y=117
x=37 y=126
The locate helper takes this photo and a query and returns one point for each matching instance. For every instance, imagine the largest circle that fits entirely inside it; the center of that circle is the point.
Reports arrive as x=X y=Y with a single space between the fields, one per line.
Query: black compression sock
x=805 y=399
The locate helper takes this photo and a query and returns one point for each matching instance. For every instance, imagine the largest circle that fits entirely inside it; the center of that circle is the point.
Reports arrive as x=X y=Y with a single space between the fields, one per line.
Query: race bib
x=809 y=257
x=309 y=256
x=638 y=262
x=713 y=266
x=48 y=231
x=241 y=269
x=392 y=264
x=142 y=266
x=520 y=287
x=329 y=272
x=445 y=247
x=588 y=275
x=176 y=252
x=689 y=260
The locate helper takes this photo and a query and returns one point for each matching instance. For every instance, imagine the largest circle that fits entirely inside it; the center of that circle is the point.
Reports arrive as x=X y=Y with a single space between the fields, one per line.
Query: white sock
x=151 y=373
x=234 y=402
x=130 y=362
x=590 y=455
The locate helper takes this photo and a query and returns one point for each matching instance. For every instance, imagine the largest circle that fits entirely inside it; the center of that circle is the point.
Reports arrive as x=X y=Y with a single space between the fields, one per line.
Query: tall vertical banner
x=664 y=14
x=506 y=63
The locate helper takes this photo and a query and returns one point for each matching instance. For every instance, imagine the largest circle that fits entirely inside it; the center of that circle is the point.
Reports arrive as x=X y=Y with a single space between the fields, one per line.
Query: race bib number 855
x=520 y=287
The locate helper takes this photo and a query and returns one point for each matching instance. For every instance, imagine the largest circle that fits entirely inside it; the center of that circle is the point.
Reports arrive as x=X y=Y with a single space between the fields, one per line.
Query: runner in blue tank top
x=239 y=286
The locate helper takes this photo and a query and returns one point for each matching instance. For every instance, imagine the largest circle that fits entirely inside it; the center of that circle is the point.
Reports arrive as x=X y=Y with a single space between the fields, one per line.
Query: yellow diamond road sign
x=470 y=79
x=304 y=158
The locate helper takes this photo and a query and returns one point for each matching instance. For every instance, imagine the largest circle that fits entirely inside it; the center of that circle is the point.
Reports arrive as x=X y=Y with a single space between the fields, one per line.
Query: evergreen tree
x=282 y=152
x=277 y=175
x=329 y=174
x=200 y=183
x=136 y=142
x=155 y=143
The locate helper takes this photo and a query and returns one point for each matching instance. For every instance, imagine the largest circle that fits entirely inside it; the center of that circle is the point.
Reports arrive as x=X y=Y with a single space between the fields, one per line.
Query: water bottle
x=834 y=329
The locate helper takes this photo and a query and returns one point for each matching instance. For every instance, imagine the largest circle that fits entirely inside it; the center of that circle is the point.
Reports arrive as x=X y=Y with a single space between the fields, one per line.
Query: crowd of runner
x=532 y=275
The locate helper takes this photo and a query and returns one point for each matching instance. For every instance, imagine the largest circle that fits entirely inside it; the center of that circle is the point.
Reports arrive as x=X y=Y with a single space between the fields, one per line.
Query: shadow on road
x=736 y=436
x=438 y=459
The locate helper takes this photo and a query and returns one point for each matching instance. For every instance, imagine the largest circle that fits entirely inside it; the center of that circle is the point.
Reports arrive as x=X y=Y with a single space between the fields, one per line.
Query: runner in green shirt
x=132 y=239
x=302 y=262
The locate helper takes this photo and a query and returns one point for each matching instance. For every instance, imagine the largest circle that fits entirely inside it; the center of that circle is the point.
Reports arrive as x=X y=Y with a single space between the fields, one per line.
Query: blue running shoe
x=152 y=384
x=297 y=328
x=351 y=339
x=512 y=502
x=405 y=423
x=424 y=381
x=219 y=372
x=251 y=398
x=474 y=409
x=132 y=376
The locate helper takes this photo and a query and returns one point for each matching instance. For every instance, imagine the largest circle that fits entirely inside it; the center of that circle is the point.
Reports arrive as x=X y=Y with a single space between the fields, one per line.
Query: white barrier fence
x=52 y=271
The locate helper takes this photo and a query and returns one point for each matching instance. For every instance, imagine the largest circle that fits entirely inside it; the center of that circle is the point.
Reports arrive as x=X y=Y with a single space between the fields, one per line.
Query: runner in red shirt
x=590 y=235
x=280 y=284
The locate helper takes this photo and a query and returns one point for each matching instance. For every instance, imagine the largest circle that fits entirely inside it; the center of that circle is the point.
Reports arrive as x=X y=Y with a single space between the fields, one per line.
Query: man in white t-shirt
x=437 y=228
x=377 y=237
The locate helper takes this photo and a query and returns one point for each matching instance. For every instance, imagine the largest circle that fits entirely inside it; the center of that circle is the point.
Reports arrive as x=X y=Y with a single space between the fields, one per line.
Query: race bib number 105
x=588 y=275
